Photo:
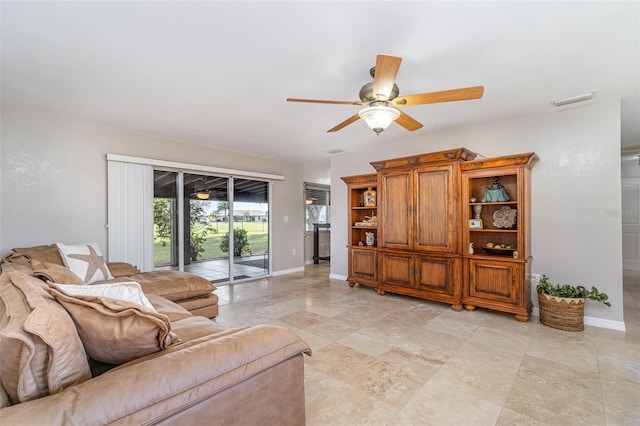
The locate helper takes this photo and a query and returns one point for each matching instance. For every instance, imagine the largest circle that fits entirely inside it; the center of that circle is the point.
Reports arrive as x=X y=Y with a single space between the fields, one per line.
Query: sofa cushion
x=206 y=306
x=173 y=285
x=122 y=269
x=199 y=302
x=172 y=310
x=86 y=261
x=41 y=351
x=47 y=271
x=49 y=253
x=115 y=331
x=126 y=291
x=194 y=327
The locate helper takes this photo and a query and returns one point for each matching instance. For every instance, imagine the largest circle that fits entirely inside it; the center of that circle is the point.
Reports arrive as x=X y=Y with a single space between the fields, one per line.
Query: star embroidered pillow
x=86 y=261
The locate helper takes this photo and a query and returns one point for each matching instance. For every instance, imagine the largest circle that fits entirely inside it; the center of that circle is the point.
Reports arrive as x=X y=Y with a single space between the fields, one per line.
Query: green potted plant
x=562 y=306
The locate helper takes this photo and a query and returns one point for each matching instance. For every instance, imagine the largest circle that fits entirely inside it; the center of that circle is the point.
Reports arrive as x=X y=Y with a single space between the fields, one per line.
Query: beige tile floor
x=395 y=360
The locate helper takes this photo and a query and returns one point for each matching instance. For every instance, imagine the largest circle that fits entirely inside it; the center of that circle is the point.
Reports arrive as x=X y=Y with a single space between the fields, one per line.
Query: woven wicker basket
x=562 y=313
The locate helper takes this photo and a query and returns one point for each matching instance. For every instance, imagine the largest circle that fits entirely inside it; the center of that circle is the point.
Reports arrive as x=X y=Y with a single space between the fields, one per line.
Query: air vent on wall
x=573 y=99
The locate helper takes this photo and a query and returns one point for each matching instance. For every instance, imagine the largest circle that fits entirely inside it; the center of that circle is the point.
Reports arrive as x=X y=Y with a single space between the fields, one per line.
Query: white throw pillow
x=128 y=291
x=86 y=261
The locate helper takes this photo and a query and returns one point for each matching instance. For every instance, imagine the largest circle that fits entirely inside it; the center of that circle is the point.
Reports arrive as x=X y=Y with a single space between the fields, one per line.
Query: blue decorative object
x=495 y=193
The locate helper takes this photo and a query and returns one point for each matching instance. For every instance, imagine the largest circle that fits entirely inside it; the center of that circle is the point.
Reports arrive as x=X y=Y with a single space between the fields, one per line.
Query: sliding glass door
x=205 y=254
x=251 y=228
x=211 y=225
x=165 y=219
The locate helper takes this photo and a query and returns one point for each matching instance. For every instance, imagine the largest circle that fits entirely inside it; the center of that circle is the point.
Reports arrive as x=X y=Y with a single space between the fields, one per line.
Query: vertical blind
x=130 y=213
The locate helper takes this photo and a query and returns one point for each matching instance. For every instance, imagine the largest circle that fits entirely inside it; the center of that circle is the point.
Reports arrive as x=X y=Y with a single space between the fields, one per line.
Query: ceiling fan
x=382 y=101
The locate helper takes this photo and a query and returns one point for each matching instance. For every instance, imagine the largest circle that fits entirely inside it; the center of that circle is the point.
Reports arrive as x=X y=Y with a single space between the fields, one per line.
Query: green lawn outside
x=257 y=234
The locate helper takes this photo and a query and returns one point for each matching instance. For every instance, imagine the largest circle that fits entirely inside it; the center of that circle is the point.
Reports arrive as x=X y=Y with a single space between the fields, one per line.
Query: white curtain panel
x=130 y=213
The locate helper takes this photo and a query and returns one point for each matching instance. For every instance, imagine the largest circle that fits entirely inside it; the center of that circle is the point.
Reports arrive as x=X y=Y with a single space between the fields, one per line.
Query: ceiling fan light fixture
x=202 y=195
x=379 y=117
x=380 y=97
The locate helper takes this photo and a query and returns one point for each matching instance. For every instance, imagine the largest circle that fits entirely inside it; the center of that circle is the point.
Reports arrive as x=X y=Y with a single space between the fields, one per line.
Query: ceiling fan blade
x=408 y=122
x=464 y=94
x=318 y=101
x=345 y=123
x=385 y=76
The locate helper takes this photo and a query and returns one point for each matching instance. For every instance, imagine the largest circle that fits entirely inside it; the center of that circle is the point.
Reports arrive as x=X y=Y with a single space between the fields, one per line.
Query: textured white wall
x=54 y=181
x=631 y=167
x=576 y=226
x=316 y=174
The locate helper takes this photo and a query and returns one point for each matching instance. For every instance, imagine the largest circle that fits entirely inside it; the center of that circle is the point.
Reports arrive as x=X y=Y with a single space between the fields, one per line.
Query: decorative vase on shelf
x=369 y=197
x=477 y=210
x=370 y=239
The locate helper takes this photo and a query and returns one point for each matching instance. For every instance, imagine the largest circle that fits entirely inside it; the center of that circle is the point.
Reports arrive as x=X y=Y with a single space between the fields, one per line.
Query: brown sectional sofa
x=191 y=291
x=205 y=374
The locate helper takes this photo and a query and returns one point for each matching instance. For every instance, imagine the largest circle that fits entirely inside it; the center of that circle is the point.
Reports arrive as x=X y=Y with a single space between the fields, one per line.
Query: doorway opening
x=317 y=216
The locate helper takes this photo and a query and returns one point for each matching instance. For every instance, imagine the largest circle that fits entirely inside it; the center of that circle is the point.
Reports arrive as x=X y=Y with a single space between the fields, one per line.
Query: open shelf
x=363 y=207
x=498 y=278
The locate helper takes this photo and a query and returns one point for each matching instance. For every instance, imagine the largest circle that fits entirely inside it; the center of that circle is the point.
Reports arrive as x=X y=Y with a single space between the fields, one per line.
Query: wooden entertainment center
x=438 y=232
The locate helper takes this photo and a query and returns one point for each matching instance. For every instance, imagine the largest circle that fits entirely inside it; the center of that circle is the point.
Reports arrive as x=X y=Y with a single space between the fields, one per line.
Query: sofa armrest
x=122 y=269
x=160 y=385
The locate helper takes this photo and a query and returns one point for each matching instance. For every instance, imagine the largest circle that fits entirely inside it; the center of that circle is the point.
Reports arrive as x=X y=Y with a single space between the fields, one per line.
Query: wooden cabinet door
x=396 y=210
x=396 y=269
x=436 y=213
x=493 y=281
x=364 y=265
x=435 y=274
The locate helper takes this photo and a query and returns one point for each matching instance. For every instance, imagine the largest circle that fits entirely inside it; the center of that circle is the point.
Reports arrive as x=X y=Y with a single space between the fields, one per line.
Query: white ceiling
x=218 y=73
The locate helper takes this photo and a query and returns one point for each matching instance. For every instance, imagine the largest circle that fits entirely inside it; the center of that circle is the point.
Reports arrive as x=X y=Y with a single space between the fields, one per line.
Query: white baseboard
x=595 y=322
x=338 y=277
x=287 y=271
x=605 y=323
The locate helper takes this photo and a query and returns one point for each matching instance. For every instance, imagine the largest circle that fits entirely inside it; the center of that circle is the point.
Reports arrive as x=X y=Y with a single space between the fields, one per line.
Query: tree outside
x=162 y=221
x=200 y=229
x=240 y=242
x=207 y=232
